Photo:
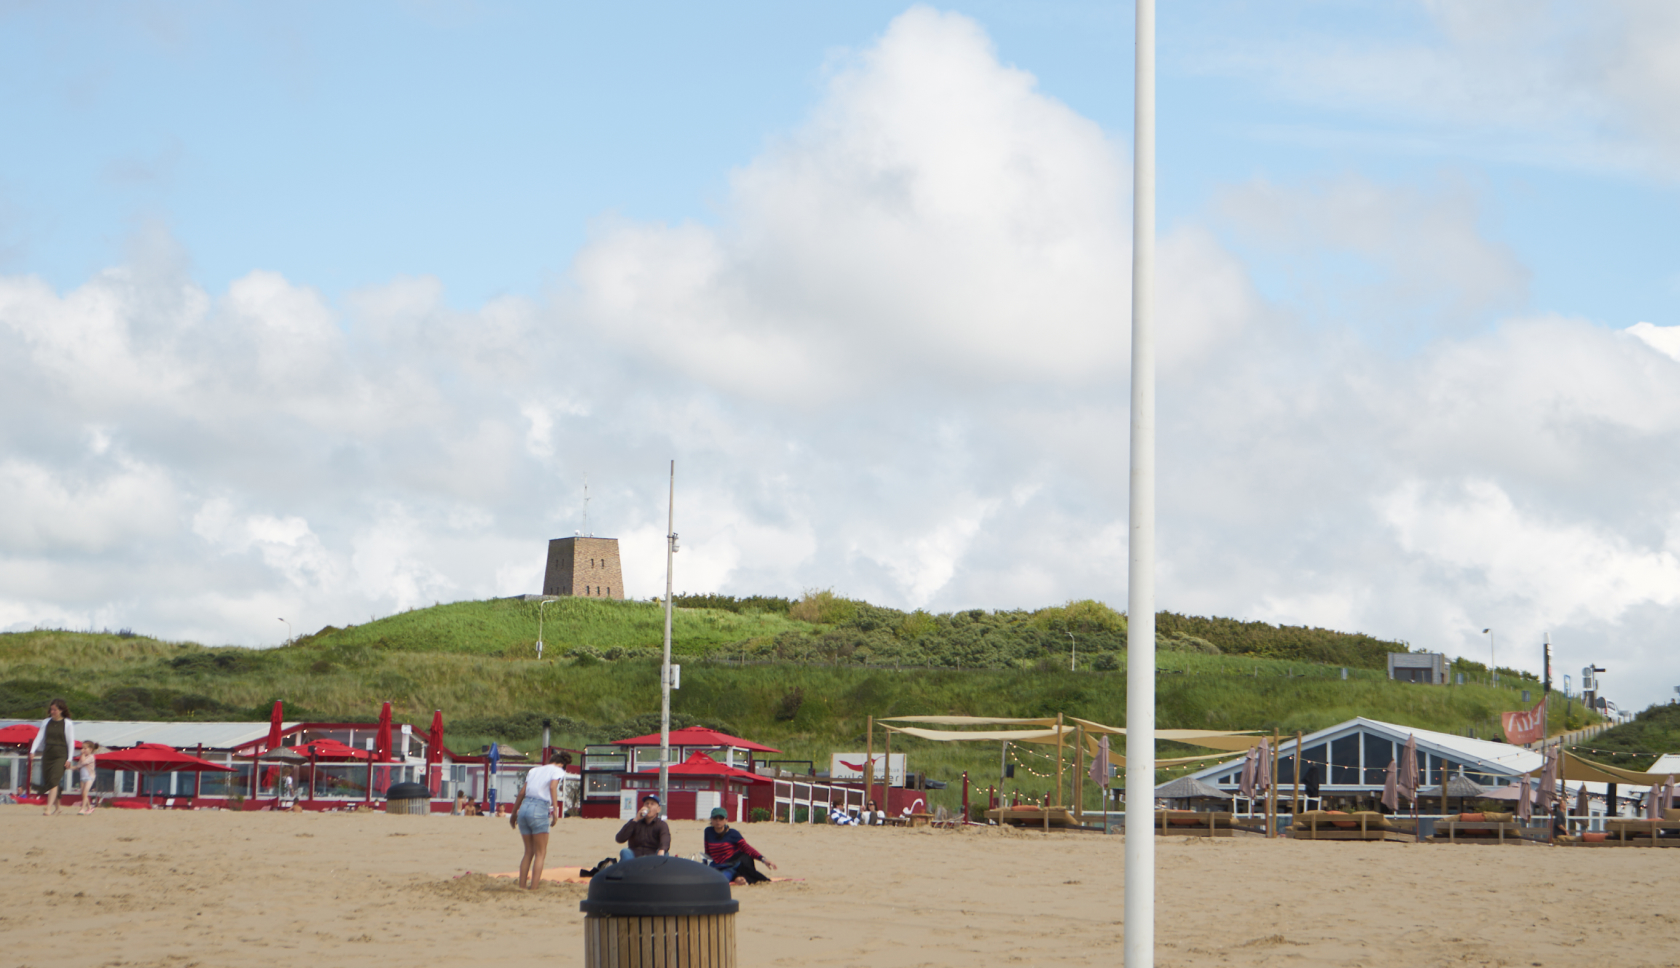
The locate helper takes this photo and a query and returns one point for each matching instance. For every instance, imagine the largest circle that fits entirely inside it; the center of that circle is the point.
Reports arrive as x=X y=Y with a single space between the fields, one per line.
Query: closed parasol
x=1391 y=786
x=1407 y=782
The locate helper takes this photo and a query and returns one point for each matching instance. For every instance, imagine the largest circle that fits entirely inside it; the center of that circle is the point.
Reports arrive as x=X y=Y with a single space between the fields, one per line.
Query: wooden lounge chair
x=1499 y=829
x=1625 y=832
x=1335 y=825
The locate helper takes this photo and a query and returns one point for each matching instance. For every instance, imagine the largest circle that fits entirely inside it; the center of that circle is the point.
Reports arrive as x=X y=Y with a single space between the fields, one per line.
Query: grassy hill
x=802 y=676
x=1636 y=744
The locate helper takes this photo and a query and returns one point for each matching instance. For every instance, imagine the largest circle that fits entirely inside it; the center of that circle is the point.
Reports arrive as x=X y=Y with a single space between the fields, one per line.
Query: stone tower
x=586 y=567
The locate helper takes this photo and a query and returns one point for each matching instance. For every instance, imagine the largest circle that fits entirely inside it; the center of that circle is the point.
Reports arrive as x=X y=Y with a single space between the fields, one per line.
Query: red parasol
x=18 y=734
x=434 y=739
x=382 y=739
x=699 y=764
x=274 y=727
x=330 y=749
x=157 y=758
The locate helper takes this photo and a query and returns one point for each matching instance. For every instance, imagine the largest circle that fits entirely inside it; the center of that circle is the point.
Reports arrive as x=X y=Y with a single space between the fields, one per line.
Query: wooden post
x=1271 y=795
x=886 y=778
x=868 y=770
x=1058 y=761
x=1079 y=774
x=1044 y=808
x=1296 y=808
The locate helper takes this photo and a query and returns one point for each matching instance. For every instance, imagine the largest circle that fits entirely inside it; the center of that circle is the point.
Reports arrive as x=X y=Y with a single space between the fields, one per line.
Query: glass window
x=1378 y=753
x=1344 y=760
x=1286 y=769
x=6 y=772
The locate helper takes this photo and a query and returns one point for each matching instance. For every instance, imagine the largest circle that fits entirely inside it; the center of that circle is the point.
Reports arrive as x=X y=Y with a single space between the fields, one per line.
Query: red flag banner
x=1525 y=726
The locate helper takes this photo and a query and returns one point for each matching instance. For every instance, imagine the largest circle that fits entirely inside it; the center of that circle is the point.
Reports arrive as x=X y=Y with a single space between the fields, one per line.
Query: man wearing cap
x=646 y=834
x=730 y=853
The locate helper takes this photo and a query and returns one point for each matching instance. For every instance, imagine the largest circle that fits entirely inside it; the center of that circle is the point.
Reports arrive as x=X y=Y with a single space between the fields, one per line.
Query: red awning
x=699 y=764
x=330 y=749
x=157 y=758
x=19 y=733
x=698 y=736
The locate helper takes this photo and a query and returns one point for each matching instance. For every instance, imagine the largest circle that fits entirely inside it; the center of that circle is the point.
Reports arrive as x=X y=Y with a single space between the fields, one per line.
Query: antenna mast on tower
x=585 y=532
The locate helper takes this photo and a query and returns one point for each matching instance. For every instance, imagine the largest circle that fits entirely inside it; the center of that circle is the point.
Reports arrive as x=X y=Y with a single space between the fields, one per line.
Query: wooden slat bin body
x=696 y=941
x=659 y=912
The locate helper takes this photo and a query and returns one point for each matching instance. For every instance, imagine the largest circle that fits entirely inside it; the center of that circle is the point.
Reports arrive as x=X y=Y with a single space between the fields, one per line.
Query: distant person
x=88 y=767
x=462 y=805
x=729 y=852
x=645 y=834
x=873 y=816
x=533 y=814
x=1560 y=821
x=54 y=739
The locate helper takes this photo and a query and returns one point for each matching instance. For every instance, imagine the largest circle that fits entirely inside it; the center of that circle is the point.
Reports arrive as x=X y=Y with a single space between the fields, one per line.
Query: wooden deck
x=1024 y=816
x=1496 y=833
x=1191 y=823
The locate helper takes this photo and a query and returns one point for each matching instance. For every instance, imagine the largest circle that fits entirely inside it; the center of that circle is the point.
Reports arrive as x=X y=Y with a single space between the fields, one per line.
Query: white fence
x=790 y=795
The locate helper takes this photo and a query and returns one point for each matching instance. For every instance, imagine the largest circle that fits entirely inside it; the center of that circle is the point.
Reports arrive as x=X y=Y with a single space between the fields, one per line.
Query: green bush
x=758 y=814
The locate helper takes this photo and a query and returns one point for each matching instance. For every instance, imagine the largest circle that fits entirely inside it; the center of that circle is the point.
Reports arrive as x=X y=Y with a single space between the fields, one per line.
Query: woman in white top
x=54 y=739
x=533 y=812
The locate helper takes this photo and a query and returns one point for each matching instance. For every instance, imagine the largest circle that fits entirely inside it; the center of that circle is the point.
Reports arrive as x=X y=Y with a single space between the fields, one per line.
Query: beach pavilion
x=1352 y=760
x=606 y=767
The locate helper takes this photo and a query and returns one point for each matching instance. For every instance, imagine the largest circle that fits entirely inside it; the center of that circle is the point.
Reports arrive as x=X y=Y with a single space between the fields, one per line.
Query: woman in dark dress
x=54 y=739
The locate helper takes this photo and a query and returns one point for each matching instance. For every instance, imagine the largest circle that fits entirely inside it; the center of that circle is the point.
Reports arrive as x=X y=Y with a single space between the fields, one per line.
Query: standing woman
x=54 y=740
x=533 y=813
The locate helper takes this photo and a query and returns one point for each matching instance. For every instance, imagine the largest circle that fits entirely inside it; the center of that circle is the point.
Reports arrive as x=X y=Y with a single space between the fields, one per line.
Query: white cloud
x=895 y=367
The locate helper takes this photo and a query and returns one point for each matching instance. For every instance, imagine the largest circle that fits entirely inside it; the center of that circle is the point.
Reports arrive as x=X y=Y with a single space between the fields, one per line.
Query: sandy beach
x=177 y=889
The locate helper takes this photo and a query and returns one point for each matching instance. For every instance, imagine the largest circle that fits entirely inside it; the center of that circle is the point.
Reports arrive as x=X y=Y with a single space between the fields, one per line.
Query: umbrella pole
x=312 y=775
x=1296 y=806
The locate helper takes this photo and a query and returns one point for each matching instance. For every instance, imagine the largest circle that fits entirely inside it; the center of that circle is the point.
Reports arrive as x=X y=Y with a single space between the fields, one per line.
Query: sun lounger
x=1336 y=825
x=1500 y=829
x=1031 y=816
x=1626 y=832
x=1192 y=823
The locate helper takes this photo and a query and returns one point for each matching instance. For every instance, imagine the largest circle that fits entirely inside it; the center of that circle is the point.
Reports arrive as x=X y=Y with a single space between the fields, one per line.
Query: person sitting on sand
x=88 y=767
x=645 y=833
x=729 y=852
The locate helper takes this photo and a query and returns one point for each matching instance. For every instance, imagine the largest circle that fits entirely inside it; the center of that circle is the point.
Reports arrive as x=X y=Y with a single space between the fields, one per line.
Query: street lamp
x=540 y=625
x=1493 y=677
x=1073 y=651
x=288 y=629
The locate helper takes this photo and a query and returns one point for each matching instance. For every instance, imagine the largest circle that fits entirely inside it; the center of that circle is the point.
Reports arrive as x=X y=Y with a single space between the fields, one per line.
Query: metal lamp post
x=540 y=627
x=288 y=630
x=1073 y=653
x=665 y=665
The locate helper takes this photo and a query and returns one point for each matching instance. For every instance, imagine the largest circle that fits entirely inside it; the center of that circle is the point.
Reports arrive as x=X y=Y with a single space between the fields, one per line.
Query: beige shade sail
x=969 y=720
x=1586 y=771
x=1046 y=736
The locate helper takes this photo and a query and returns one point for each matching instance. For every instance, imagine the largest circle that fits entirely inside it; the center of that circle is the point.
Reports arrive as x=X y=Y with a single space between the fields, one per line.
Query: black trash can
x=659 y=912
x=408 y=798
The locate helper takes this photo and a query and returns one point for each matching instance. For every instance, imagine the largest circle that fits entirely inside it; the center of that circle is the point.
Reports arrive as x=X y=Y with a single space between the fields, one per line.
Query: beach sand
x=177 y=889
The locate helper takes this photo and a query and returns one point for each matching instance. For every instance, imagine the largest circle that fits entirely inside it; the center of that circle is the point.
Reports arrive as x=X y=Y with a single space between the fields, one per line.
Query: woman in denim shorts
x=533 y=812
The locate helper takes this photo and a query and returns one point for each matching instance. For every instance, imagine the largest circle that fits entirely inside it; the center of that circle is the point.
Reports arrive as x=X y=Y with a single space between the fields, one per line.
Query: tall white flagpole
x=665 y=666
x=1140 y=586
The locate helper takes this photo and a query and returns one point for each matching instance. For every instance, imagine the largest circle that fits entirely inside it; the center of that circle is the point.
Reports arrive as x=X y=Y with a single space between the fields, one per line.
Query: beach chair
x=1362 y=825
x=1499 y=829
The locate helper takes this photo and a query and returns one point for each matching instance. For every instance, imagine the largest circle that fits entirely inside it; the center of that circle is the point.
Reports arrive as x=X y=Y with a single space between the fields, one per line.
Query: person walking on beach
x=645 y=834
x=728 y=852
x=54 y=739
x=533 y=813
x=88 y=766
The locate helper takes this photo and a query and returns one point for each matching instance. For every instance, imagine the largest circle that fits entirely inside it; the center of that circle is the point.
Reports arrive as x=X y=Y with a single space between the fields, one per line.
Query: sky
x=311 y=314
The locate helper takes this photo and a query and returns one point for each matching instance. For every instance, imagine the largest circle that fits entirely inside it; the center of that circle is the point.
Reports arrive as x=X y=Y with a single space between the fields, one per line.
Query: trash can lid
x=659 y=887
x=408 y=791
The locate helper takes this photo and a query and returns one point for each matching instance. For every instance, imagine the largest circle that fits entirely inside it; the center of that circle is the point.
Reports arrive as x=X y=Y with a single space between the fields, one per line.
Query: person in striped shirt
x=729 y=852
